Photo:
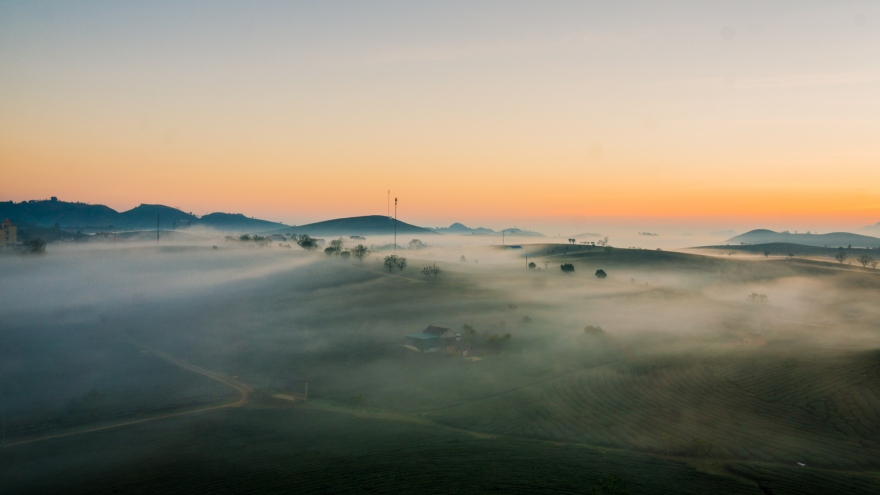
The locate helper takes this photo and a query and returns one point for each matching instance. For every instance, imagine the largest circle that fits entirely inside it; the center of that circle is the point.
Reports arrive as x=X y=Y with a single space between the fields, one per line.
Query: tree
x=360 y=252
x=546 y=264
x=766 y=254
x=841 y=256
x=873 y=264
x=600 y=273
x=532 y=265
x=329 y=251
x=244 y=237
x=566 y=267
x=393 y=261
x=417 y=244
x=345 y=255
x=463 y=259
x=306 y=242
x=468 y=331
x=35 y=246
x=865 y=260
x=336 y=245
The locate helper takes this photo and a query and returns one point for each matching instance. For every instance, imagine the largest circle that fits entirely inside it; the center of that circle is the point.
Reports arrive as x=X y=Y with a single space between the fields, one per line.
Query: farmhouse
x=431 y=339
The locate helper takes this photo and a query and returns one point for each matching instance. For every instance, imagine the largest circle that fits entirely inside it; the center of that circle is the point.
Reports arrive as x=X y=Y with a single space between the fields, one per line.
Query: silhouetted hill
x=834 y=239
x=81 y=216
x=785 y=248
x=237 y=221
x=366 y=225
x=144 y=217
x=46 y=213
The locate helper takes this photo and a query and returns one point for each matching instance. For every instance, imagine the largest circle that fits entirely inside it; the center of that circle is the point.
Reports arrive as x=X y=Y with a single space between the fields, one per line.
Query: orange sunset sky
x=747 y=114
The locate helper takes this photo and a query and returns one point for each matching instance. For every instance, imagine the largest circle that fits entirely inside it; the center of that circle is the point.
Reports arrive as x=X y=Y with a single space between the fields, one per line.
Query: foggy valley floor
x=154 y=369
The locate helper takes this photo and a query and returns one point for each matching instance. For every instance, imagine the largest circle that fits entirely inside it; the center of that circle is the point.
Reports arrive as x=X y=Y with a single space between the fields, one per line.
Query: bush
x=567 y=267
x=594 y=330
x=600 y=273
x=532 y=265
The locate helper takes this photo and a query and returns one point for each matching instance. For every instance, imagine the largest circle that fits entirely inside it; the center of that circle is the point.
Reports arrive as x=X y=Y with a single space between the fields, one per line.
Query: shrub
x=567 y=267
x=594 y=330
x=532 y=265
x=600 y=273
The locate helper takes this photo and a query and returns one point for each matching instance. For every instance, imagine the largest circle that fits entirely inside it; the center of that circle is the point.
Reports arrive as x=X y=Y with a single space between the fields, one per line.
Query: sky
x=543 y=115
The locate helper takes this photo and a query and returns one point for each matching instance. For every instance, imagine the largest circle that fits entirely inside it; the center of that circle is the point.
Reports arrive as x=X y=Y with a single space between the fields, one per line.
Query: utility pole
x=395 y=225
x=157 y=228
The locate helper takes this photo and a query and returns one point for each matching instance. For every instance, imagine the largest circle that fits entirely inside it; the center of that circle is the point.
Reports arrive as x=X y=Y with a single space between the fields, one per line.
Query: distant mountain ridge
x=82 y=216
x=460 y=228
x=834 y=239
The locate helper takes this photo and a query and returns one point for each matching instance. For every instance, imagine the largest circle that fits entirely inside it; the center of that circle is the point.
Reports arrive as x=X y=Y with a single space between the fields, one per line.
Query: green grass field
x=670 y=400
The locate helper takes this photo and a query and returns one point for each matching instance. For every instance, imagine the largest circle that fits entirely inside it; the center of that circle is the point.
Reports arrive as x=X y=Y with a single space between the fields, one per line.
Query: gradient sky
x=738 y=114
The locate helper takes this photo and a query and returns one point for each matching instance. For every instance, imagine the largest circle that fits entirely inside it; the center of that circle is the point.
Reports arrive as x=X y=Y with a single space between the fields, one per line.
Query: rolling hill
x=365 y=225
x=82 y=216
x=834 y=239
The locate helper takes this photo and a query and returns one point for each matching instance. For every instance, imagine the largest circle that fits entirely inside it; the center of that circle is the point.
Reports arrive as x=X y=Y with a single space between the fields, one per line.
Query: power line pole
x=395 y=225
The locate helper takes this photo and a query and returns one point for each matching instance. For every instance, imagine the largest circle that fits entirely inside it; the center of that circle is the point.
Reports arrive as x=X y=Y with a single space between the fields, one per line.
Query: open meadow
x=170 y=369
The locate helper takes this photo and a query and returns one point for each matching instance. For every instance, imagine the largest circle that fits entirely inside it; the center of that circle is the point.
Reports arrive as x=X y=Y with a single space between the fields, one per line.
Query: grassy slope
x=742 y=405
x=309 y=451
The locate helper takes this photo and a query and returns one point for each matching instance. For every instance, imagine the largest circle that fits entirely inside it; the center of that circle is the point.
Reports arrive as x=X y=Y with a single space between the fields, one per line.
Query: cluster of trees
x=431 y=270
x=34 y=246
x=756 y=298
x=493 y=342
x=306 y=242
x=864 y=259
x=417 y=244
x=259 y=240
x=395 y=262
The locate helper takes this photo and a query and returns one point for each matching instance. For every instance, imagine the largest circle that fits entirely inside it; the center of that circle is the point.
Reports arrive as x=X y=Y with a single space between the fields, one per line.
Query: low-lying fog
x=76 y=317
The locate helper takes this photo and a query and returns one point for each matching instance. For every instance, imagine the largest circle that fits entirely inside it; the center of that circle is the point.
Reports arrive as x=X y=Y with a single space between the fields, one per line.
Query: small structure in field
x=431 y=339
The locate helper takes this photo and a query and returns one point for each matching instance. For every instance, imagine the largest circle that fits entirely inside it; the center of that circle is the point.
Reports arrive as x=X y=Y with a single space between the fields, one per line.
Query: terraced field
x=819 y=410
